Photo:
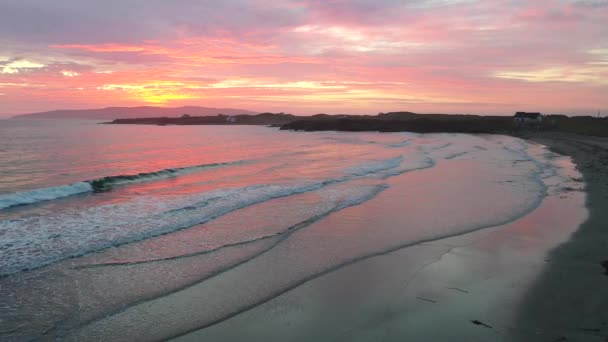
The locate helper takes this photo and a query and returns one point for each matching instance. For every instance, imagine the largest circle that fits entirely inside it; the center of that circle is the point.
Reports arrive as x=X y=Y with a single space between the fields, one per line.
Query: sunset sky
x=306 y=56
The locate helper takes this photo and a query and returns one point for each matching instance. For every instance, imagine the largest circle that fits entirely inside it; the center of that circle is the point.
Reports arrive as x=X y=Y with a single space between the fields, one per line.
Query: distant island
x=394 y=122
x=110 y=113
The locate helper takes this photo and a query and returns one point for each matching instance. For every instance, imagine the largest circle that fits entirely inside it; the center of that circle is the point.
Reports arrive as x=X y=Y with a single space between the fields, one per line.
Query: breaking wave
x=43 y=194
x=98 y=185
x=81 y=232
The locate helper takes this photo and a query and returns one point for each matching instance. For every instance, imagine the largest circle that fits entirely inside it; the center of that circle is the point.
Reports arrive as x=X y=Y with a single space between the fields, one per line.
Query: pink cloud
x=430 y=55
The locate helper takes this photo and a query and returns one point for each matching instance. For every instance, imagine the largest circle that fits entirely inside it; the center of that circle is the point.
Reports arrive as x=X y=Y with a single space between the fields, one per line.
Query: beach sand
x=569 y=302
x=539 y=278
x=506 y=283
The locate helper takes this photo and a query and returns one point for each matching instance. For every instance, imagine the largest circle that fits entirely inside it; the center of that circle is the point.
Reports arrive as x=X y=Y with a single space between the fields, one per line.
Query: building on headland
x=528 y=118
x=231 y=119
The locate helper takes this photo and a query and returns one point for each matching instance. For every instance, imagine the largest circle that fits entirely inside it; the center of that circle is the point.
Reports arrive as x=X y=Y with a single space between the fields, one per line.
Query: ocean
x=124 y=232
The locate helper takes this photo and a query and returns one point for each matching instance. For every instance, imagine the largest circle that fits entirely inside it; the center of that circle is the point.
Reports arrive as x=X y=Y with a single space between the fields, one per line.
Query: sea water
x=141 y=232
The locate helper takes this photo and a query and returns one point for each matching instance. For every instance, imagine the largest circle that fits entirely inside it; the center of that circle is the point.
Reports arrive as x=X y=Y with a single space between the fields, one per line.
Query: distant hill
x=132 y=112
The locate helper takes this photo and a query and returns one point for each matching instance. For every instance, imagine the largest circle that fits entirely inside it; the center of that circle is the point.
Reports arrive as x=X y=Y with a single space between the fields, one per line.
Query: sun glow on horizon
x=309 y=56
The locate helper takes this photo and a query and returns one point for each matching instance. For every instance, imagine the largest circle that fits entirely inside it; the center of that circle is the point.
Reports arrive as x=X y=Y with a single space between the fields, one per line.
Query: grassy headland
x=221 y=119
x=444 y=123
x=391 y=122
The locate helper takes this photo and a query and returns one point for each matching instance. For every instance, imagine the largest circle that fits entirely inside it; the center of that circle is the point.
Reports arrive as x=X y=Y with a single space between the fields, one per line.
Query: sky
x=306 y=56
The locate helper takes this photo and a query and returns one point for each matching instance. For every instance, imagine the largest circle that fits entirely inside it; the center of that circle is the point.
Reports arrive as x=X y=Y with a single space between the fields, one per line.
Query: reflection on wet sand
x=569 y=301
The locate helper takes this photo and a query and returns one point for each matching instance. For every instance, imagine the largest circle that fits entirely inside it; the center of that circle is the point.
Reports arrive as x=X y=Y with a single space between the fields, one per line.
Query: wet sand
x=466 y=288
x=538 y=278
x=569 y=302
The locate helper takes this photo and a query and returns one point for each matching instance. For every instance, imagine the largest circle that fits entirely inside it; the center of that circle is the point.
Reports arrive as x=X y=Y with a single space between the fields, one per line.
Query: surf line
x=282 y=236
x=100 y=184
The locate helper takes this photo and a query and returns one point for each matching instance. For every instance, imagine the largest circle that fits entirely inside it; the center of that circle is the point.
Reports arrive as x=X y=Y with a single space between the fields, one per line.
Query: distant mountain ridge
x=110 y=113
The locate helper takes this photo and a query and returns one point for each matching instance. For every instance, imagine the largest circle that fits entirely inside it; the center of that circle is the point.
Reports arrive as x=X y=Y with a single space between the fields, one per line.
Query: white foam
x=401 y=144
x=375 y=166
x=43 y=194
x=61 y=191
x=39 y=240
x=36 y=241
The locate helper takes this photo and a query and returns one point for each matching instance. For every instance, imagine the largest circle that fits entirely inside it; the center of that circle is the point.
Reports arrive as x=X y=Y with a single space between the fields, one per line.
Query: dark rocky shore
x=398 y=122
x=221 y=119
x=569 y=301
x=390 y=122
x=448 y=123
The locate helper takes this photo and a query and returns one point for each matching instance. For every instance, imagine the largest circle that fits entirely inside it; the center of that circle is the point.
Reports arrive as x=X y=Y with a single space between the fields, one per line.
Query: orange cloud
x=309 y=56
x=200 y=52
x=101 y=47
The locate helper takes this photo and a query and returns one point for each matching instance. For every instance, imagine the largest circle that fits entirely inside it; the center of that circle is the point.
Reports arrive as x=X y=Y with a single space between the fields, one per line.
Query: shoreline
x=488 y=285
x=391 y=122
x=499 y=291
x=577 y=270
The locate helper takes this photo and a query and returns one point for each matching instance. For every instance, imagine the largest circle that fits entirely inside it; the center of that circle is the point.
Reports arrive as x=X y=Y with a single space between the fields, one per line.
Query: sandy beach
x=397 y=260
x=303 y=171
x=529 y=280
x=575 y=279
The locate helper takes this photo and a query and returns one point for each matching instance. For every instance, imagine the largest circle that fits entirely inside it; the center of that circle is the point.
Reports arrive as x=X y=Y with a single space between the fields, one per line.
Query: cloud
x=588 y=75
x=19 y=66
x=304 y=55
x=591 y=3
x=68 y=73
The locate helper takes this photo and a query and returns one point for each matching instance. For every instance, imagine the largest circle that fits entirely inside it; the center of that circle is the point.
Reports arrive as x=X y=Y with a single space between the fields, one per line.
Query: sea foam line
x=372 y=191
x=341 y=265
x=98 y=185
x=391 y=249
x=298 y=282
x=43 y=194
x=80 y=233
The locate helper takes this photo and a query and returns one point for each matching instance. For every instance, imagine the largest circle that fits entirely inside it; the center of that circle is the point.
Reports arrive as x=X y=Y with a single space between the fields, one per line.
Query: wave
x=415 y=165
x=326 y=269
x=401 y=144
x=455 y=155
x=43 y=194
x=81 y=232
x=376 y=166
x=366 y=194
x=362 y=194
x=98 y=185
x=106 y=183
